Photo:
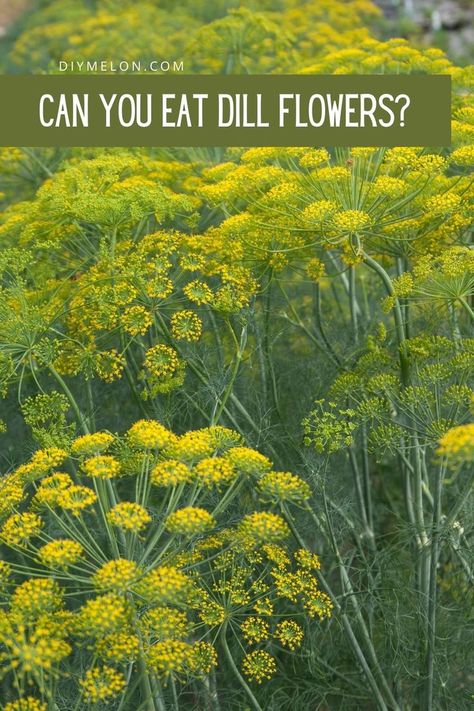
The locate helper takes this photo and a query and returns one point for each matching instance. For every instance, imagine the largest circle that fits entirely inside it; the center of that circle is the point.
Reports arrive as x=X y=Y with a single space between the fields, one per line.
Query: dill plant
x=319 y=302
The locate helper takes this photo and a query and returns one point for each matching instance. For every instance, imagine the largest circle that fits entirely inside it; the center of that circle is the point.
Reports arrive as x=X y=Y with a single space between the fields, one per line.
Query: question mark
x=404 y=107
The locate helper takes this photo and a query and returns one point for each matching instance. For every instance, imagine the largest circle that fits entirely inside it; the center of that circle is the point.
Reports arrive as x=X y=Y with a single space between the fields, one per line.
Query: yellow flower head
x=60 y=553
x=129 y=516
x=190 y=521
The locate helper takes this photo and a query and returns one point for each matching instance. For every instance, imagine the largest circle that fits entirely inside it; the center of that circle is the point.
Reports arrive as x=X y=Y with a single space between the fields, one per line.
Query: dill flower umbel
x=76 y=499
x=214 y=471
x=259 y=666
x=20 y=528
x=190 y=521
x=263 y=527
x=102 y=684
x=170 y=657
x=129 y=516
x=103 y=615
x=164 y=584
x=171 y=473
x=92 y=443
x=118 y=647
x=283 y=486
x=101 y=467
x=148 y=434
x=26 y=703
x=118 y=575
x=60 y=553
x=186 y=326
x=255 y=629
x=36 y=596
x=458 y=444
x=289 y=634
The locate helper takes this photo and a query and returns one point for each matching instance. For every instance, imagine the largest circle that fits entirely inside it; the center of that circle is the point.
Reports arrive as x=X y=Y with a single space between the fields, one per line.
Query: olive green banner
x=202 y=110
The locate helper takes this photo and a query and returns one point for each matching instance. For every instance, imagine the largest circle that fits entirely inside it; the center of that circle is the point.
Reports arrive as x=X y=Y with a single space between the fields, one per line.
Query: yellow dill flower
x=463 y=156
x=259 y=666
x=458 y=444
x=34 y=652
x=276 y=554
x=169 y=657
x=193 y=445
x=319 y=211
x=171 y=473
x=442 y=204
x=101 y=467
x=92 y=443
x=36 y=596
x=161 y=361
x=109 y=365
x=162 y=585
x=118 y=575
x=44 y=460
x=289 y=634
x=162 y=623
x=129 y=516
x=11 y=494
x=283 y=486
x=76 y=498
x=60 y=553
x=248 y=462
x=288 y=585
x=148 y=434
x=50 y=489
x=103 y=615
x=264 y=606
x=351 y=220
x=315 y=269
x=190 y=521
x=20 y=528
x=203 y=658
x=255 y=630
x=263 y=527
x=198 y=292
x=318 y=604
x=211 y=613
x=102 y=684
x=388 y=186
x=136 y=320
x=186 y=326
x=118 y=647
x=26 y=703
x=5 y=573
x=214 y=471
x=314 y=157
x=306 y=559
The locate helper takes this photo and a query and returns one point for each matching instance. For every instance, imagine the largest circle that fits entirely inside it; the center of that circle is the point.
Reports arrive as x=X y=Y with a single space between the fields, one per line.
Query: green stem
x=236 y=671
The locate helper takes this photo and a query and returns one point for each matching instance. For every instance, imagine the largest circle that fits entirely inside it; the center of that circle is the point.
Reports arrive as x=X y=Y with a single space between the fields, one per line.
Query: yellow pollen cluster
x=101 y=467
x=92 y=443
x=190 y=521
x=102 y=684
x=458 y=444
x=60 y=553
x=259 y=666
x=214 y=471
x=262 y=527
x=148 y=434
x=20 y=528
x=118 y=575
x=186 y=326
x=171 y=473
x=129 y=516
x=283 y=486
x=351 y=220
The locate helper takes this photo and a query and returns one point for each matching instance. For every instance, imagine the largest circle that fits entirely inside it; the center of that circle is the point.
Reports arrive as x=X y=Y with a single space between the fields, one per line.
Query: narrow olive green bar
x=315 y=110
